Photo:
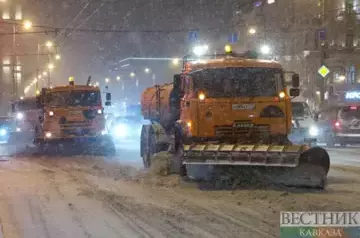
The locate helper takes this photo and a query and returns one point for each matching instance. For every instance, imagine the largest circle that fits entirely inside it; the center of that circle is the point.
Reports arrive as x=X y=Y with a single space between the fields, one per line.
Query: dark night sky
x=96 y=53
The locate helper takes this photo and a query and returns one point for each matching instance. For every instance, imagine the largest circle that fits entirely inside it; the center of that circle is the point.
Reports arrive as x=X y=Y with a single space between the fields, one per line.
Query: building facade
x=303 y=36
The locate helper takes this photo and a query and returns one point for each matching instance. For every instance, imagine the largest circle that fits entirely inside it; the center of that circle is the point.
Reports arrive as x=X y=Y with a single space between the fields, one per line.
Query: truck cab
x=72 y=113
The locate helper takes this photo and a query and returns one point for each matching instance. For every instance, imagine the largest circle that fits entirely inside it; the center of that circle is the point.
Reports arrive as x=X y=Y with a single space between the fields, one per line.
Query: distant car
x=126 y=127
x=304 y=128
x=340 y=125
x=7 y=128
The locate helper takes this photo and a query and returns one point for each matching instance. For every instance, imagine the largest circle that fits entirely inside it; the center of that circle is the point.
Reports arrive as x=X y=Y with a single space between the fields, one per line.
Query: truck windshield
x=24 y=105
x=300 y=109
x=73 y=98
x=349 y=113
x=238 y=82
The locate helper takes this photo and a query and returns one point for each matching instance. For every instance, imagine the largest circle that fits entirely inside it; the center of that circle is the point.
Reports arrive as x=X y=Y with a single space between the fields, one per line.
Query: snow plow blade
x=292 y=165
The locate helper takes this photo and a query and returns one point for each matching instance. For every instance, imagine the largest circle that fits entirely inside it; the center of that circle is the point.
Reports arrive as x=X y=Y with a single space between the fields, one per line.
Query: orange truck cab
x=73 y=113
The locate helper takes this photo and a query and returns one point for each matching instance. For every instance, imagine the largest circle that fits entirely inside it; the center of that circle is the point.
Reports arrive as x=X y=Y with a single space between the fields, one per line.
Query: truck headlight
x=48 y=134
x=121 y=130
x=3 y=132
x=19 y=116
x=313 y=131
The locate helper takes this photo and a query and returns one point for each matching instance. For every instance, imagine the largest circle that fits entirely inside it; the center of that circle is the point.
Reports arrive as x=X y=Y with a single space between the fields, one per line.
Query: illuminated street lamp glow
x=118 y=78
x=200 y=50
x=97 y=84
x=21 y=98
x=147 y=70
x=27 y=24
x=49 y=44
x=342 y=77
x=175 y=61
x=107 y=80
x=132 y=74
x=39 y=76
x=50 y=66
x=44 y=73
x=57 y=56
x=317 y=92
x=265 y=49
x=252 y=31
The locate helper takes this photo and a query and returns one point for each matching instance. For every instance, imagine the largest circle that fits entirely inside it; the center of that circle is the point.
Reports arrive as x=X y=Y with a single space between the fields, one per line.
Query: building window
x=18 y=13
x=6 y=15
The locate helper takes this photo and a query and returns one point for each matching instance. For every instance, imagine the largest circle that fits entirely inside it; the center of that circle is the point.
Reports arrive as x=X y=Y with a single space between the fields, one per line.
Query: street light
x=265 y=49
x=44 y=73
x=107 y=80
x=147 y=70
x=342 y=77
x=175 y=61
x=50 y=66
x=252 y=31
x=57 y=56
x=27 y=24
x=118 y=78
x=132 y=74
x=97 y=84
x=200 y=50
x=49 y=44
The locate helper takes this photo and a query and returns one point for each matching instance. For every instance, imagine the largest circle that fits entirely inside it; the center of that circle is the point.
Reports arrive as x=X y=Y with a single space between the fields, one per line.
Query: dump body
x=156 y=104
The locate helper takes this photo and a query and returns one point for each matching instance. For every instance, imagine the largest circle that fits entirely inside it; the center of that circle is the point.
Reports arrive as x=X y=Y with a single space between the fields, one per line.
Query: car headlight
x=121 y=130
x=3 y=132
x=313 y=131
x=19 y=116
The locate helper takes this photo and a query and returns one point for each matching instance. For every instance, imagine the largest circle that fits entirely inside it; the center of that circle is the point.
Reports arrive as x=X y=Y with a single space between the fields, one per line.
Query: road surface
x=88 y=196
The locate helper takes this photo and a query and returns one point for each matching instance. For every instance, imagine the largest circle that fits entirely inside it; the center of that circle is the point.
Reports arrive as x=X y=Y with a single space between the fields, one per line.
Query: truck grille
x=78 y=128
x=233 y=132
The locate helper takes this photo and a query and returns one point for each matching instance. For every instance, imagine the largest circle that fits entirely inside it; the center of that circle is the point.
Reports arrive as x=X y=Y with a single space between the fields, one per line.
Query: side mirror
x=295 y=80
x=177 y=81
x=294 y=92
x=108 y=96
x=108 y=103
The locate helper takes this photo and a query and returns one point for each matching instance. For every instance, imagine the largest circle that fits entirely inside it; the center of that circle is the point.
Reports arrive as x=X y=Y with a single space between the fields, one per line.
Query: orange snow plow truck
x=230 y=111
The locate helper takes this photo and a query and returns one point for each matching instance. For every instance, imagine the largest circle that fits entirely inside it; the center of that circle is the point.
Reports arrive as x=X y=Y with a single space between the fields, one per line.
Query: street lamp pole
x=14 y=63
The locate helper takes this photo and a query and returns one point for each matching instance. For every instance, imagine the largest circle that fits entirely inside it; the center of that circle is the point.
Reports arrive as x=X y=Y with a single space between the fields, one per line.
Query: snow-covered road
x=89 y=196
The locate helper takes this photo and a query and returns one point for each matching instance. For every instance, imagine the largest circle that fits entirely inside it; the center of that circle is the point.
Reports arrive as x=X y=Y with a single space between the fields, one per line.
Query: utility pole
x=323 y=50
x=14 y=64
